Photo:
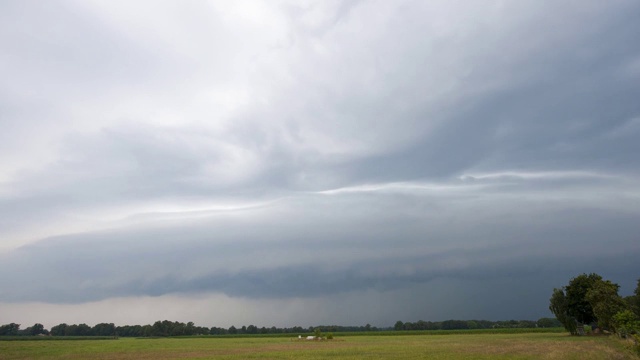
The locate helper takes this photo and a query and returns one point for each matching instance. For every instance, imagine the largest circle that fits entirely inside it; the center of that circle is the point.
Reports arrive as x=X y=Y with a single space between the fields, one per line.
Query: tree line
x=588 y=299
x=158 y=329
x=476 y=324
x=175 y=328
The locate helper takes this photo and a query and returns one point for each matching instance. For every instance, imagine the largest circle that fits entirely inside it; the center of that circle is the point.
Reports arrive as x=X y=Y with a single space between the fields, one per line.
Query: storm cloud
x=408 y=160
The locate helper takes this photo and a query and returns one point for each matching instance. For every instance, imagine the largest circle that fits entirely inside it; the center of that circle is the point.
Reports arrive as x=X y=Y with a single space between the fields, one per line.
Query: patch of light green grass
x=453 y=346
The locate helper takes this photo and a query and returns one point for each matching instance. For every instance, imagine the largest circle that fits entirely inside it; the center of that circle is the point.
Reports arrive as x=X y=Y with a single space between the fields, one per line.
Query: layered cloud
x=295 y=151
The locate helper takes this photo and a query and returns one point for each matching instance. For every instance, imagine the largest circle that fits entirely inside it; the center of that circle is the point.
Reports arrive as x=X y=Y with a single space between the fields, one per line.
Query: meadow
x=450 y=346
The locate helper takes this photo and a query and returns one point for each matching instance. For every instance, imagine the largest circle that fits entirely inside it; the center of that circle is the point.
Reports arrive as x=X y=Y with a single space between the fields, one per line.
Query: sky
x=297 y=163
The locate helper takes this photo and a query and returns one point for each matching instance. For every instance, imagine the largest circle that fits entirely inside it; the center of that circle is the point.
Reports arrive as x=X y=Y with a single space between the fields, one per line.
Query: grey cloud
x=390 y=242
x=531 y=104
x=320 y=151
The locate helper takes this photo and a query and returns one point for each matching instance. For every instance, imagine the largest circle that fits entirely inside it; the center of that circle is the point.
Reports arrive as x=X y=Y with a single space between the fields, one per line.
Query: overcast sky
x=285 y=163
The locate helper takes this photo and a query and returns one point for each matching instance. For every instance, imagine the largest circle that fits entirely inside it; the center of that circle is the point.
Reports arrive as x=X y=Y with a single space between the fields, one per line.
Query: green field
x=453 y=346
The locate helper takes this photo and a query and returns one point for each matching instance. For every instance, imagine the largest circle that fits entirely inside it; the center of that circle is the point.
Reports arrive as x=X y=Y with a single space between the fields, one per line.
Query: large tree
x=559 y=306
x=576 y=294
x=605 y=302
x=635 y=302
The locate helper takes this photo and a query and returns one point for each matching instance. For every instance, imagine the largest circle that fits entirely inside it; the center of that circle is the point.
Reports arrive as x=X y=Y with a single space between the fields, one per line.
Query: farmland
x=450 y=346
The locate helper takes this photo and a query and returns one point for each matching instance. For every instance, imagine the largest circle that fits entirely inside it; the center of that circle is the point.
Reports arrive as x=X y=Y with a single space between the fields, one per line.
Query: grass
x=393 y=333
x=453 y=346
x=54 y=338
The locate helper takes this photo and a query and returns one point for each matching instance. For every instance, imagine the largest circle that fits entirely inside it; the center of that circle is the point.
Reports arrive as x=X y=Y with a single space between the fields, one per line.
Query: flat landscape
x=454 y=346
x=428 y=179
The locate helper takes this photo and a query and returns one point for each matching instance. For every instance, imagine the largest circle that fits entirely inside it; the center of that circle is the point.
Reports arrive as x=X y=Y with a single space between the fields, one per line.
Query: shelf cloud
x=406 y=160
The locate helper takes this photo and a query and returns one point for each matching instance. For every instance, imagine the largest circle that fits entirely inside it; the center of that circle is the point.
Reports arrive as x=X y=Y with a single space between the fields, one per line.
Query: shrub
x=625 y=323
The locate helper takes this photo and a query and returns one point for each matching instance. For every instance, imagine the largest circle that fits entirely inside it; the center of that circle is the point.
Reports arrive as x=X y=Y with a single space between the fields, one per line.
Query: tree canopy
x=588 y=299
x=576 y=292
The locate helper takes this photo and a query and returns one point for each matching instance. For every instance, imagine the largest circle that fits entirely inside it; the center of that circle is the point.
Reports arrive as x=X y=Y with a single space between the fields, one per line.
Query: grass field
x=454 y=346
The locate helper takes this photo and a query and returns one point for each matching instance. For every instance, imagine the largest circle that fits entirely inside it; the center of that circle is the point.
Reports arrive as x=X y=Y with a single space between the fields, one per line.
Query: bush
x=626 y=324
x=330 y=336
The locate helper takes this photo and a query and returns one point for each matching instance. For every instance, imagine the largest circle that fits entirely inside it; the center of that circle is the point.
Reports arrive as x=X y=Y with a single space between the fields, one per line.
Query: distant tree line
x=175 y=328
x=476 y=324
x=13 y=329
